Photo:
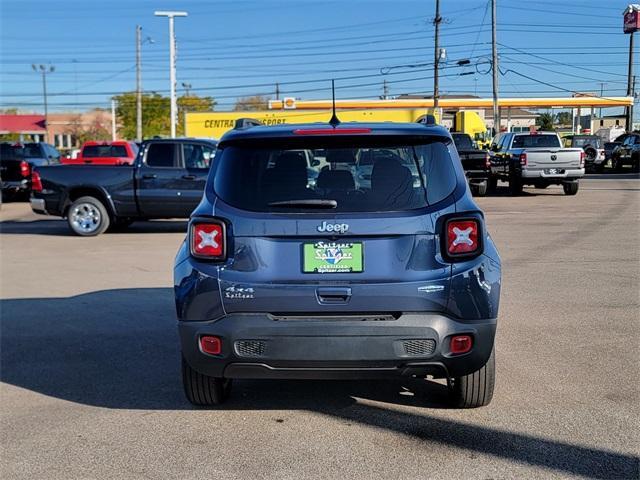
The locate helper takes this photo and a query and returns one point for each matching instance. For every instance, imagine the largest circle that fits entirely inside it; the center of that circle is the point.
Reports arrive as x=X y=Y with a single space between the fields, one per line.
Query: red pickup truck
x=105 y=153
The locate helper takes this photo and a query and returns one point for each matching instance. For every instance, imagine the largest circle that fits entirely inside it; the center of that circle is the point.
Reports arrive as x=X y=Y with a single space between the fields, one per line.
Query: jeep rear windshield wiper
x=309 y=203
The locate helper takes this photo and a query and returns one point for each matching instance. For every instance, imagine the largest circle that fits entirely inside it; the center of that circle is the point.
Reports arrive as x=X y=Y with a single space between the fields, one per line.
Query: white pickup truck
x=534 y=158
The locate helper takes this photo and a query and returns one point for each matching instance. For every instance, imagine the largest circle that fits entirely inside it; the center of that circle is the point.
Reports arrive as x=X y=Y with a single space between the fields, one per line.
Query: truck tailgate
x=553 y=157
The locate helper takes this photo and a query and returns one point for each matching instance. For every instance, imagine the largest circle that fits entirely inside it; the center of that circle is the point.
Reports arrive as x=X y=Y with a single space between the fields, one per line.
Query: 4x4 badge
x=333 y=227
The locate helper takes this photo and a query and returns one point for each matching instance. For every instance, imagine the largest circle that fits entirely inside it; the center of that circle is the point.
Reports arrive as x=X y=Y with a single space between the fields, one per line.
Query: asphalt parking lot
x=91 y=382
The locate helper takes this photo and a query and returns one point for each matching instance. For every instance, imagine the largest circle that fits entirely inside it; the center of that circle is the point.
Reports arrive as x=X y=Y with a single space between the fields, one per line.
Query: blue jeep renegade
x=347 y=251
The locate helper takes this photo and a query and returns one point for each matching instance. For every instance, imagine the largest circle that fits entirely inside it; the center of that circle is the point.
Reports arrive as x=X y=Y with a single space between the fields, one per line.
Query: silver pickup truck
x=534 y=158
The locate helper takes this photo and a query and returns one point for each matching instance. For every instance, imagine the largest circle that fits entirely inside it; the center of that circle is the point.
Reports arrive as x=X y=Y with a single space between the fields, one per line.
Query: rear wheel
x=202 y=389
x=476 y=389
x=88 y=217
x=570 y=188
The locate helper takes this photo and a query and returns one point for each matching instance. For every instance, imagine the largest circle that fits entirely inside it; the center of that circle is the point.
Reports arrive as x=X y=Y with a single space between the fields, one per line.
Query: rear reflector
x=211 y=345
x=207 y=240
x=461 y=344
x=487 y=160
x=36 y=182
x=330 y=131
x=462 y=237
x=582 y=156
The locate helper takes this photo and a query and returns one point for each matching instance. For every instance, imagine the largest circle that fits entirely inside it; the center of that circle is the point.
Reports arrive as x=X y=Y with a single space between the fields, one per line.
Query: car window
x=197 y=156
x=536 y=141
x=628 y=141
x=31 y=150
x=161 y=155
x=396 y=177
x=96 y=151
x=463 y=142
x=504 y=142
x=119 y=151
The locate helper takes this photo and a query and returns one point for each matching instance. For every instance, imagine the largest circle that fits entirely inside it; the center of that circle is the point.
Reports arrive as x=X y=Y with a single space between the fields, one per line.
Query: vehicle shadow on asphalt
x=60 y=227
x=119 y=349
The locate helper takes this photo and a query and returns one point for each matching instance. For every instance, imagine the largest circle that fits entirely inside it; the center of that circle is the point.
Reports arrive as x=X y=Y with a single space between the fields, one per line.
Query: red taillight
x=36 y=182
x=523 y=159
x=460 y=344
x=487 y=160
x=330 y=131
x=25 y=169
x=207 y=240
x=462 y=237
x=211 y=345
x=582 y=159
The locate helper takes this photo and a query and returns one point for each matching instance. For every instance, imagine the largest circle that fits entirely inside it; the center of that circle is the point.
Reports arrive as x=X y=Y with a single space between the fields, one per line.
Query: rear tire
x=570 y=188
x=202 y=389
x=88 y=217
x=476 y=389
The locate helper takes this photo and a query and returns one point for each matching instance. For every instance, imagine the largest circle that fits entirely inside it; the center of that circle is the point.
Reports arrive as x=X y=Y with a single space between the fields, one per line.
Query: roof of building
x=21 y=123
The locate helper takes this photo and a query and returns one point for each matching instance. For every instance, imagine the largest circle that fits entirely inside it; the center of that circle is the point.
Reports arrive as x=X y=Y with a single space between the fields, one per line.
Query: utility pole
x=385 y=90
x=44 y=71
x=602 y=84
x=436 y=57
x=138 y=83
x=495 y=67
x=172 y=65
x=113 y=120
x=630 y=88
x=277 y=91
x=187 y=87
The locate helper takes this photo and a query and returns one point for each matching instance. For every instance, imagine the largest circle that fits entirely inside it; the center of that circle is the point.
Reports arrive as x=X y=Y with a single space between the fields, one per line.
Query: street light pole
x=495 y=66
x=44 y=70
x=138 y=83
x=172 y=64
x=436 y=58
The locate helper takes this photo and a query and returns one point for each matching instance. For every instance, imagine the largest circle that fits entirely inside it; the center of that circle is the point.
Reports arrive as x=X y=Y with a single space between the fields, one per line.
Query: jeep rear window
x=347 y=176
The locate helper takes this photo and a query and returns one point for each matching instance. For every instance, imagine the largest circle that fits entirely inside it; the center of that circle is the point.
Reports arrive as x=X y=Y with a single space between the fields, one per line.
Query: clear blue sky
x=231 y=48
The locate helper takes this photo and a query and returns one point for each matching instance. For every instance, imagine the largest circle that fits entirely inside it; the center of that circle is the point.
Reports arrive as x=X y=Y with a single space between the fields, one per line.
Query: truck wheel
x=515 y=185
x=476 y=389
x=202 y=389
x=570 y=188
x=88 y=217
x=617 y=165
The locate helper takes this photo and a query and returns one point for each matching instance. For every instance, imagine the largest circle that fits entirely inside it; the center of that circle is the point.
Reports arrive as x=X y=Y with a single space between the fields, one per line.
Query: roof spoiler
x=427 y=120
x=246 y=123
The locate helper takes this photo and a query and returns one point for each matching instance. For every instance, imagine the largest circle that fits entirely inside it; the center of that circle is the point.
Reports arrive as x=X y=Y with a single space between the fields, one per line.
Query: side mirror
x=315 y=162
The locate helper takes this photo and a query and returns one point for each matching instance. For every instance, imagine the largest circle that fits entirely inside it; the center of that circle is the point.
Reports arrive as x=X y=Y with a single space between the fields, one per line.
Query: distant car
x=627 y=152
x=16 y=163
x=475 y=162
x=105 y=153
x=593 y=147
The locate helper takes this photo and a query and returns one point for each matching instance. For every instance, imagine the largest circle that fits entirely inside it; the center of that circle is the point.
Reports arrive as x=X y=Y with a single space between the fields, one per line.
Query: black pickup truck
x=16 y=162
x=475 y=163
x=166 y=181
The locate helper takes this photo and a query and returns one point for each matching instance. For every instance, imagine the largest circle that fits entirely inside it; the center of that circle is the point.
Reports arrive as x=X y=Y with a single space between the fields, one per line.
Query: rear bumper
x=313 y=348
x=540 y=174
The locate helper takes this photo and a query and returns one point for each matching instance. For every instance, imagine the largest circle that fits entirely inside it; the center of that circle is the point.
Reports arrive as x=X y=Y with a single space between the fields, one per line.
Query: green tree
x=156 y=113
x=564 y=118
x=545 y=121
x=247 y=104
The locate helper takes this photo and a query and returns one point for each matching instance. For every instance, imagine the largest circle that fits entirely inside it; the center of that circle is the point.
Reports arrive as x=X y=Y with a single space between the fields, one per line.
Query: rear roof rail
x=246 y=123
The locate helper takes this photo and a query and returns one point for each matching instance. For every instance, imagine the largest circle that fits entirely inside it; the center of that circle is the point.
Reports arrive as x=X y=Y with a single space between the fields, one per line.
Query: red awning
x=22 y=124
